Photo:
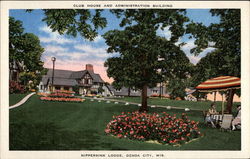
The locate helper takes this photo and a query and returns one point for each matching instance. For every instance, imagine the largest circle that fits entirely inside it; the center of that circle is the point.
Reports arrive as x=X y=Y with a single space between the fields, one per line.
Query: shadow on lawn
x=48 y=136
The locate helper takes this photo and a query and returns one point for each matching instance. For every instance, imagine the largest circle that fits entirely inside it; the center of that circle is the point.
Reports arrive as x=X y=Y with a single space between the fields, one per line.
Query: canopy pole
x=214 y=96
x=222 y=107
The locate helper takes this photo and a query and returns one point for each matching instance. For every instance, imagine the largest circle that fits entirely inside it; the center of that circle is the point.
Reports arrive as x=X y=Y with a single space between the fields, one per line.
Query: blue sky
x=74 y=53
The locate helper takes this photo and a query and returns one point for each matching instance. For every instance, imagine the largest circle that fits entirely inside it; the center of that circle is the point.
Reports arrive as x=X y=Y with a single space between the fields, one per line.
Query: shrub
x=164 y=128
x=15 y=87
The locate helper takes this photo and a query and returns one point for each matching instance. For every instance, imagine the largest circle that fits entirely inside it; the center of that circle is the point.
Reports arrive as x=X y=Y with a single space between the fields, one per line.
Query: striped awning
x=219 y=84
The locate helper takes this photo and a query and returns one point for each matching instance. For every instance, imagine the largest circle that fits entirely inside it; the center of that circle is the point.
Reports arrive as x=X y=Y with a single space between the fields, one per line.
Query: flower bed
x=157 y=95
x=61 y=96
x=58 y=94
x=62 y=99
x=64 y=91
x=163 y=128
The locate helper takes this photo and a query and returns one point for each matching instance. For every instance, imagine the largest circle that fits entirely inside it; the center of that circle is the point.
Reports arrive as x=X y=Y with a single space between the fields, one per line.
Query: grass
x=15 y=98
x=41 y=125
x=200 y=105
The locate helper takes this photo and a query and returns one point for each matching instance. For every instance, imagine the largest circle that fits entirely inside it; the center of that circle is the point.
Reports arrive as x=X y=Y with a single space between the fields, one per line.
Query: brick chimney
x=89 y=67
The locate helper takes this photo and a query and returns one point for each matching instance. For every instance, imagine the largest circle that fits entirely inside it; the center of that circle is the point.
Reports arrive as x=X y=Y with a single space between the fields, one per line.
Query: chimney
x=89 y=67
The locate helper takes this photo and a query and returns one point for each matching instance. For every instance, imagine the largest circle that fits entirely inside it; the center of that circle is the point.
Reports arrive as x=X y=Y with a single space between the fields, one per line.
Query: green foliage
x=29 y=80
x=73 y=21
x=76 y=126
x=141 y=49
x=76 y=89
x=176 y=88
x=225 y=38
x=100 y=89
x=26 y=48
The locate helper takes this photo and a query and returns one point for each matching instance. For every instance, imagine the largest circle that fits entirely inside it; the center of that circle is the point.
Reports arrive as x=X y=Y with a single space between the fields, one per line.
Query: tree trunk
x=230 y=100
x=128 y=91
x=144 y=105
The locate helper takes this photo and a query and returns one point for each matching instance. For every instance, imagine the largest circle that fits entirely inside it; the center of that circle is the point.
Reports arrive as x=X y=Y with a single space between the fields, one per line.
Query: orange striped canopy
x=219 y=84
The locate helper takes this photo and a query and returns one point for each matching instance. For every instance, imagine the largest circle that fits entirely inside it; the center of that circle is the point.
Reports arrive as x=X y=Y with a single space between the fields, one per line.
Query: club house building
x=86 y=80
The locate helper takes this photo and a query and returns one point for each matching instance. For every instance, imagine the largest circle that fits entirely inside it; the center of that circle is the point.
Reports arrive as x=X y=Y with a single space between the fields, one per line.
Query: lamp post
x=53 y=60
x=160 y=59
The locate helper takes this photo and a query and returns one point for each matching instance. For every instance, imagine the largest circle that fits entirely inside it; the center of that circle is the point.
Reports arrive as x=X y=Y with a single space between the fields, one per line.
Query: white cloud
x=165 y=32
x=194 y=59
x=98 y=39
x=92 y=51
x=189 y=45
x=53 y=36
x=54 y=48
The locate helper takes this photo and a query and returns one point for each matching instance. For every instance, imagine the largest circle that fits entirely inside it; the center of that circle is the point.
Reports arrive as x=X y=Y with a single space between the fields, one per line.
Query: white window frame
x=153 y=92
x=118 y=90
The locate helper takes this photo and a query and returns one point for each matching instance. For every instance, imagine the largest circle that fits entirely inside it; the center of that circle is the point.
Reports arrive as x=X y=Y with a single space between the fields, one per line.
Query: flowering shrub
x=164 y=128
x=163 y=96
x=58 y=94
x=64 y=91
x=15 y=87
x=155 y=95
x=90 y=95
x=61 y=96
x=62 y=99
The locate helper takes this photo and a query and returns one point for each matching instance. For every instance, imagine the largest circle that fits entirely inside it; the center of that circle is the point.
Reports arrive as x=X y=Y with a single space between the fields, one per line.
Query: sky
x=74 y=53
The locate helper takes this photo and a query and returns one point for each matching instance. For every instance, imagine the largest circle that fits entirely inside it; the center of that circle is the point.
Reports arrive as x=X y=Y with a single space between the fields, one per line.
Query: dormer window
x=134 y=91
x=118 y=90
x=87 y=79
x=155 y=91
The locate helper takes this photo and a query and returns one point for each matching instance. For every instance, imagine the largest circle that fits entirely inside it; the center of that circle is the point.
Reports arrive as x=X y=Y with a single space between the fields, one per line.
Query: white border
x=245 y=79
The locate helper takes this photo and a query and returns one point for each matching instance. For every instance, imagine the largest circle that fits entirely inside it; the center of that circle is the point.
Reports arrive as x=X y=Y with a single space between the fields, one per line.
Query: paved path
x=153 y=106
x=22 y=101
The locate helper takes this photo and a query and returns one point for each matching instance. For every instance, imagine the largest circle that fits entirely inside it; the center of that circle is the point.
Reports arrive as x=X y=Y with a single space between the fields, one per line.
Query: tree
x=139 y=65
x=72 y=21
x=139 y=46
x=225 y=37
x=26 y=48
x=100 y=90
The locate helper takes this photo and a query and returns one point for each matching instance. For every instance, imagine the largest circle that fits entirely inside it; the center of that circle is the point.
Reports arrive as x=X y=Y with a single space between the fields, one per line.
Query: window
x=66 y=88
x=155 y=91
x=57 y=87
x=87 y=76
x=118 y=90
x=134 y=91
x=90 y=81
x=86 y=81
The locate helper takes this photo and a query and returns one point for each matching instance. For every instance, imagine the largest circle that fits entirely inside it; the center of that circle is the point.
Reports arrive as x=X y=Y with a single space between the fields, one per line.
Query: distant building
x=86 y=80
x=135 y=93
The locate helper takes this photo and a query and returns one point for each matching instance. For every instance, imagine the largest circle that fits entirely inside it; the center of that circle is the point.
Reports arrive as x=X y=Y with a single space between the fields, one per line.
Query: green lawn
x=201 y=105
x=15 y=98
x=40 y=125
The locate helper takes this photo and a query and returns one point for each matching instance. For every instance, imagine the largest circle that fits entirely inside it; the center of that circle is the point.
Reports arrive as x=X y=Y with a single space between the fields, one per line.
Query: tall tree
x=139 y=46
x=72 y=21
x=141 y=49
x=225 y=37
x=26 y=48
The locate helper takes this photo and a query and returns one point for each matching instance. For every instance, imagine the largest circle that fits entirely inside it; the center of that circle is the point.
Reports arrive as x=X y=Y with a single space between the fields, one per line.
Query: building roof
x=64 y=81
x=68 y=78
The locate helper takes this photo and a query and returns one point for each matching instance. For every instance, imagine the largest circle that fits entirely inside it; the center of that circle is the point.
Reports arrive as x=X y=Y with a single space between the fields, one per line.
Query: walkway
x=152 y=106
x=22 y=101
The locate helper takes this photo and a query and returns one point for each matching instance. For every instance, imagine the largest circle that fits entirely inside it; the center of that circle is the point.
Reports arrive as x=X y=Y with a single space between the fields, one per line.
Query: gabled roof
x=78 y=74
x=59 y=73
x=64 y=81
x=68 y=78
